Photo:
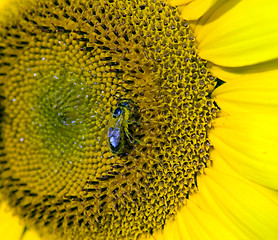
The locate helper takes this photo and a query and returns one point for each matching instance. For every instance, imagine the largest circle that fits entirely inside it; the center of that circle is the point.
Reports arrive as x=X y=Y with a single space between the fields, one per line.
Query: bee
x=119 y=126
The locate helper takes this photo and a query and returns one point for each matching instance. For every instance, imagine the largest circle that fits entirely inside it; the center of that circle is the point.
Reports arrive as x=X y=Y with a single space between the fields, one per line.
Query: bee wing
x=114 y=137
x=110 y=128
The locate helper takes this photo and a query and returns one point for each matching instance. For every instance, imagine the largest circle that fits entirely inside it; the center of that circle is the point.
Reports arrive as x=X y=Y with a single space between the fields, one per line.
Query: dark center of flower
x=106 y=107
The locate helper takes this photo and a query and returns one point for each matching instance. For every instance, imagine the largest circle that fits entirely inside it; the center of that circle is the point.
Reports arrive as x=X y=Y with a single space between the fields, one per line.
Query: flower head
x=110 y=112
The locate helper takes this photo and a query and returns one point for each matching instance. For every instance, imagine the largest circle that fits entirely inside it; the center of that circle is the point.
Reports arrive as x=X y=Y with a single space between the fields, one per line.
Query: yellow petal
x=32 y=235
x=196 y=9
x=202 y=225
x=179 y=2
x=249 y=142
x=3 y=3
x=10 y=227
x=247 y=209
x=256 y=72
x=249 y=133
x=3 y=7
x=191 y=222
x=227 y=206
x=171 y=231
x=249 y=93
x=239 y=33
x=7 y=8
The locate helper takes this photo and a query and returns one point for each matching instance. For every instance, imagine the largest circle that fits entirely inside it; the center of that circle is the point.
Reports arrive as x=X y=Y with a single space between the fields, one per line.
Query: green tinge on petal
x=249 y=142
x=196 y=9
x=239 y=33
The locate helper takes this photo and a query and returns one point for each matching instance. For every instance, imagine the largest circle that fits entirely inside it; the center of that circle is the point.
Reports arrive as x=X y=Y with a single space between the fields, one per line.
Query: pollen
x=65 y=67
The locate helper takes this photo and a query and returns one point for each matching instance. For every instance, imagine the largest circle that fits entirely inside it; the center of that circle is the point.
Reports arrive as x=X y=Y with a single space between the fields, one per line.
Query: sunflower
x=139 y=119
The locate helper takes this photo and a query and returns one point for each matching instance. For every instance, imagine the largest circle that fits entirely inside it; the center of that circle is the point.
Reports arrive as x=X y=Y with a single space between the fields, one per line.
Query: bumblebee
x=119 y=126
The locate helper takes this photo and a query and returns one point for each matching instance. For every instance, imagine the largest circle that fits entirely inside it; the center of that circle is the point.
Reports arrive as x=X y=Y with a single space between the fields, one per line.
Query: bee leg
x=132 y=122
x=132 y=139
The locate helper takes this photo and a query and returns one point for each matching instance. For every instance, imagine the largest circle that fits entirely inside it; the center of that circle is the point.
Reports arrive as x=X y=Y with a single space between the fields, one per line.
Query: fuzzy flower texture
x=138 y=119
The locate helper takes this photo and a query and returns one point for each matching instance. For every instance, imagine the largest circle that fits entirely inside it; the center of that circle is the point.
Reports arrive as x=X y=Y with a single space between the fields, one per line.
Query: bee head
x=118 y=111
